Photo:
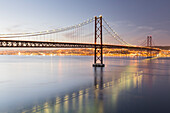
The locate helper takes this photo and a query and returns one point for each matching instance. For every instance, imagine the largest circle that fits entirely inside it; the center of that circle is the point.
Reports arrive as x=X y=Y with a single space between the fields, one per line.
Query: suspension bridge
x=93 y=33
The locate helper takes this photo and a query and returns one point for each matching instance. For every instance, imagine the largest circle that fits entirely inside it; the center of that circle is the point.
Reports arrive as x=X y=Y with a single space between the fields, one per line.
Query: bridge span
x=44 y=44
x=74 y=37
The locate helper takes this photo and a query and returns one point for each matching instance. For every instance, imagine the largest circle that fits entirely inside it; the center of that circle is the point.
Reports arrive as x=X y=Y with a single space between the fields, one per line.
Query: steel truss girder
x=41 y=44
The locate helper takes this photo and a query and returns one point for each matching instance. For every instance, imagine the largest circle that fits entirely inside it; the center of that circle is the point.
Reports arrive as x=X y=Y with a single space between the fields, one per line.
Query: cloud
x=145 y=28
x=14 y=28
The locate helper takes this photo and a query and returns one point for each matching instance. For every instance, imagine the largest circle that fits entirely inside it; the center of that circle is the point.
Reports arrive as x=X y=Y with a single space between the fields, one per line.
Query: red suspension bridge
x=88 y=34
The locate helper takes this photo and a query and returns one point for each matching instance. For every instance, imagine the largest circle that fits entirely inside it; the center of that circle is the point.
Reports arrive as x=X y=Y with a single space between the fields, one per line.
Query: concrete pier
x=98 y=65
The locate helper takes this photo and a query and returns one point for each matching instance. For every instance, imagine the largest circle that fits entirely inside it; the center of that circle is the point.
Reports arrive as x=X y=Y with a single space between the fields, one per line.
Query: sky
x=133 y=20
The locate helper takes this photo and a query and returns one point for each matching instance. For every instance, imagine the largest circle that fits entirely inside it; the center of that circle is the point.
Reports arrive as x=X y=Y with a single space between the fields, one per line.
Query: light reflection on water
x=69 y=100
x=71 y=85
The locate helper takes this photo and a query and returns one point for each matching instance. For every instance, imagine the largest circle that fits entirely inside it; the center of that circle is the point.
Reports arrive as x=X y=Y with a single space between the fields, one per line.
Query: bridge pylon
x=98 y=51
x=149 y=44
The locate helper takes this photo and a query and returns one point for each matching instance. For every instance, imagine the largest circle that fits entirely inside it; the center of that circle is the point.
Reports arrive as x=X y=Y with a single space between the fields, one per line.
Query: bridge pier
x=98 y=51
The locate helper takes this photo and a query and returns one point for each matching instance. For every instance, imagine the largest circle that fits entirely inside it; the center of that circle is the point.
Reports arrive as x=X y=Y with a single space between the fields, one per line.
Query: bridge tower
x=149 y=44
x=98 y=52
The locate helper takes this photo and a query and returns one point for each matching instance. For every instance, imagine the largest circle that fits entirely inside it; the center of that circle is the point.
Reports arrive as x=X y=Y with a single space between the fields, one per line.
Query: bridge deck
x=42 y=44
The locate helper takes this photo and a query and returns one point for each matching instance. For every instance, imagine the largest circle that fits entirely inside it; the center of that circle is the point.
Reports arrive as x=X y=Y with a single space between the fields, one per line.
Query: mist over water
x=69 y=84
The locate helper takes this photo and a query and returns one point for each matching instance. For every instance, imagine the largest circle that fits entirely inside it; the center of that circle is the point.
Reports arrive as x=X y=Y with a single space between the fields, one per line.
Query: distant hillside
x=163 y=47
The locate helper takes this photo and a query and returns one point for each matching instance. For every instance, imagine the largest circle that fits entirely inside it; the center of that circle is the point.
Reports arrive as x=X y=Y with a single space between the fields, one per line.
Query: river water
x=69 y=84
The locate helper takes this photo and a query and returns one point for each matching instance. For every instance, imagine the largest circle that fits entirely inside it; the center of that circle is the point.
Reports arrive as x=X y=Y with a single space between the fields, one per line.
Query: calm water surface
x=69 y=84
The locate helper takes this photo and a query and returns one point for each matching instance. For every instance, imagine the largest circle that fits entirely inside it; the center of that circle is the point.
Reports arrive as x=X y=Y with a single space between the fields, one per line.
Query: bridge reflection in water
x=91 y=99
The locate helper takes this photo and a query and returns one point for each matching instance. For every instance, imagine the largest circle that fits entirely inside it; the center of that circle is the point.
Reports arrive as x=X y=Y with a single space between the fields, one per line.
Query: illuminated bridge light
x=97 y=86
x=87 y=90
x=80 y=92
x=58 y=100
x=66 y=98
x=38 y=108
x=46 y=105
x=73 y=95
x=104 y=85
x=108 y=84
x=141 y=72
